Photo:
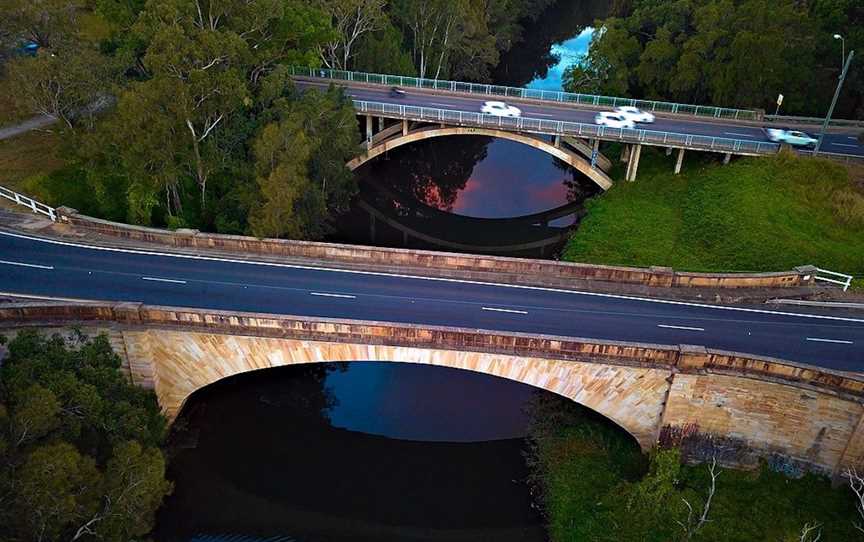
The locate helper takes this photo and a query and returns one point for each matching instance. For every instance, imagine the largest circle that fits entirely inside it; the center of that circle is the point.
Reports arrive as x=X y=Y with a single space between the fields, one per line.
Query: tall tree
x=351 y=20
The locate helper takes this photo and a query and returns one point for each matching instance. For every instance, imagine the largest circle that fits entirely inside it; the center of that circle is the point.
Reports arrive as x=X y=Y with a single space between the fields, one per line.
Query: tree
x=434 y=26
x=48 y=23
x=856 y=484
x=691 y=526
x=351 y=20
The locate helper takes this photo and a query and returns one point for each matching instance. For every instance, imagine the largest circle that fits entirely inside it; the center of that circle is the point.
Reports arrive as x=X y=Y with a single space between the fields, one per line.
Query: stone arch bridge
x=809 y=416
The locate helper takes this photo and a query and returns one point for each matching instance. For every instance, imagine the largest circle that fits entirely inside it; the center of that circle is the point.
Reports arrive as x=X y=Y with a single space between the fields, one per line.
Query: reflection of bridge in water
x=530 y=234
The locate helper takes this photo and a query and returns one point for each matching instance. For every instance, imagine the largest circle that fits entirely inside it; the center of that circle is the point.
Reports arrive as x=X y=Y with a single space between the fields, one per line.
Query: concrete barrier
x=504 y=269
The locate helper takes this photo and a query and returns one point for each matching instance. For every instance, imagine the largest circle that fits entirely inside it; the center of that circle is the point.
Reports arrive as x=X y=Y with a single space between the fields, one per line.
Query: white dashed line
x=686 y=328
x=324 y=294
x=836 y=341
x=33 y=265
x=511 y=311
x=844 y=145
x=157 y=279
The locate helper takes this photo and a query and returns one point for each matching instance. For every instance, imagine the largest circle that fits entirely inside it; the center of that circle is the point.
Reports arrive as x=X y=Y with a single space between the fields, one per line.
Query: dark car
x=397 y=92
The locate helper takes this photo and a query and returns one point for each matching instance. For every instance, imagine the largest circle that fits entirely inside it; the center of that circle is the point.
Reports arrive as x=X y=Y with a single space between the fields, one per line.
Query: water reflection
x=280 y=453
x=567 y=54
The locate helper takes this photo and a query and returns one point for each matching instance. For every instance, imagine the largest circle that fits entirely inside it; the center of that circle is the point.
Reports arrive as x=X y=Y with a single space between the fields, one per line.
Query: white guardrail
x=527 y=93
x=558 y=127
x=845 y=280
x=35 y=206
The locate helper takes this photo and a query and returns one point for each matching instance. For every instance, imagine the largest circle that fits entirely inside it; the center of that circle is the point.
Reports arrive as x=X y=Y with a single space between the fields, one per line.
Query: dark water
x=479 y=194
x=359 y=451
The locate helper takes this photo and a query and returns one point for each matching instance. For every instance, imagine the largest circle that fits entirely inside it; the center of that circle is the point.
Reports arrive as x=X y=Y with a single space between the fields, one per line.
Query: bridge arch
x=572 y=159
x=184 y=362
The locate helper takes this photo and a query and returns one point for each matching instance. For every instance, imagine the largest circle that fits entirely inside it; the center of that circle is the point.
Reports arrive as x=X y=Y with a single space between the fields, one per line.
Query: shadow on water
x=257 y=455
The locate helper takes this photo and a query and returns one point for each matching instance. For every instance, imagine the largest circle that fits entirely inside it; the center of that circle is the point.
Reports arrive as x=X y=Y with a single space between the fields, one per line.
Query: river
x=382 y=451
x=479 y=194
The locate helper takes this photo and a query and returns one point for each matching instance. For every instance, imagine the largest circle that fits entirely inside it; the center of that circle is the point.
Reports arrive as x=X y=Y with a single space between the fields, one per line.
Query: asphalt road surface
x=35 y=266
x=835 y=142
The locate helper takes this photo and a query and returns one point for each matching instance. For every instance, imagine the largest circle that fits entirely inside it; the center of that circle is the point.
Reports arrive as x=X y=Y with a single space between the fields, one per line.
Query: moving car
x=634 y=113
x=792 y=137
x=500 y=109
x=397 y=92
x=614 y=120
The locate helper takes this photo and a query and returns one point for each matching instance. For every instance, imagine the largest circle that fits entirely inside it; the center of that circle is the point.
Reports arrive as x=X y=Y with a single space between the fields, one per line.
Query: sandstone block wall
x=510 y=270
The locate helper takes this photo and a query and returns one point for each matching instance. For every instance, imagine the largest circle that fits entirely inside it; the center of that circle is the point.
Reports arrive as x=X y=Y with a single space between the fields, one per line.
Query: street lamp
x=845 y=69
x=842 y=49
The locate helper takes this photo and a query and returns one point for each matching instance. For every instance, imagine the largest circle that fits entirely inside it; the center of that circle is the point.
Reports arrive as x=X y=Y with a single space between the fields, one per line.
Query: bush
x=848 y=207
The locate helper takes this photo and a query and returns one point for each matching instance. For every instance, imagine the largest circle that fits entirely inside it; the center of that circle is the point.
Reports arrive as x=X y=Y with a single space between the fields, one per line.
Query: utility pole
x=833 y=102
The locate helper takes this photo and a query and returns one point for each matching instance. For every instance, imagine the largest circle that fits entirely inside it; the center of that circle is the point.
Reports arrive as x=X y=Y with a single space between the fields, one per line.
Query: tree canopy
x=79 y=444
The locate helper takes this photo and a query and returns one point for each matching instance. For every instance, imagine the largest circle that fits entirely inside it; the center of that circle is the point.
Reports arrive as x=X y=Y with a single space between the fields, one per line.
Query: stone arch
x=572 y=159
x=183 y=362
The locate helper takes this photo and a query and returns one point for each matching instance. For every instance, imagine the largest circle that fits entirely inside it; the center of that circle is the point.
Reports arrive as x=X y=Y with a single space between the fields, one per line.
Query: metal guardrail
x=557 y=127
x=782 y=119
x=35 y=206
x=851 y=158
x=845 y=282
x=526 y=93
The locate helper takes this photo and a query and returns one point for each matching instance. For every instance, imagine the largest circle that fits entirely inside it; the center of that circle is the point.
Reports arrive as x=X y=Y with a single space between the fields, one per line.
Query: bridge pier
x=633 y=163
x=679 y=161
x=625 y=153
x=368 y=131
x=404 y=127
x=380 y=124
x=557 y=141
x=727 y=158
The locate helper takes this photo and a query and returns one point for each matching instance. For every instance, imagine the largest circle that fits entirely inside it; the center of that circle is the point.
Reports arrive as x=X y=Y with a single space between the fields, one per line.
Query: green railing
x=527 y=93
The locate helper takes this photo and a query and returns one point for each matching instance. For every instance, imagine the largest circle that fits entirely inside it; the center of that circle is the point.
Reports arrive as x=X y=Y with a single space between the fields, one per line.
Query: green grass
x=28 y=156
x=756 y=214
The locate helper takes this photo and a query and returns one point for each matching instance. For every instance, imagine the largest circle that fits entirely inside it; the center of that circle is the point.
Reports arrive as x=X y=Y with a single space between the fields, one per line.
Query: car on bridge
x=634 y=113
x=612 y=119
x=396 y=92
x=795 y=138
x=500 y=109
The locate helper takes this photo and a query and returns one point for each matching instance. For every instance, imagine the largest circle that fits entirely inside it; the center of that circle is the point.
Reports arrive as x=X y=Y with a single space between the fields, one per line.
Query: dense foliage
x=596 y=486
x=755 y=214
x=79 y=444
x=734 y=53
x=181 y=113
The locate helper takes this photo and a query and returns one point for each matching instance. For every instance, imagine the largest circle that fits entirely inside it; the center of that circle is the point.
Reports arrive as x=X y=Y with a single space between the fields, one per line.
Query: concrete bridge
x=559 y=123
x=752 y=406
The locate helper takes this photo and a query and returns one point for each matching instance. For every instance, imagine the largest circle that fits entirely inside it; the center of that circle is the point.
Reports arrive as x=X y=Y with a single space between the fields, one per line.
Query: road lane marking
x=157 y=279
x=22 y=264
x=686 y=328
x=324 y=269
x=511 y=311
x=844 y=145
x=739 y=135
x=324 y=294
x=836 y=341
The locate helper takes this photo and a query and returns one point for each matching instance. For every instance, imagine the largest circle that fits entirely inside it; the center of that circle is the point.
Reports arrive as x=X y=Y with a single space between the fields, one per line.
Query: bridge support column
x=625 y=153
x=633 y=163
x=380 y=123
x=679 y=161
x=368 y=131
x=727 y=158
x=557 y=141
x=404 y=127
x=668 y=151
x=595 y=145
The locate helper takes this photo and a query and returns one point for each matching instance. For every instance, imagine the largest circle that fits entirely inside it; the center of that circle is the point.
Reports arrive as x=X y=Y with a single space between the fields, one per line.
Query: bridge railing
x=35 y=206
x=527 y=93
x=556 y=127
x=788 y=120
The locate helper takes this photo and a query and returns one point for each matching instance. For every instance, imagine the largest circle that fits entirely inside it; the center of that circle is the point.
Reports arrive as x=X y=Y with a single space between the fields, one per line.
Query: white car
x=634 y=113
x=500 y=109
x=614 y=120
x=792 y=137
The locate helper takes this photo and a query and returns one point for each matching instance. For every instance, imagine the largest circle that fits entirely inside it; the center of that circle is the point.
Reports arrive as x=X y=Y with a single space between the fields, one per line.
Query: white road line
x=541 y=115
x=853 y=138
x=157 y=279
x=844 y=145
x=324 y=294
x=435 y=103
x=739 y=135
x=837 y=341
x=21 y=264
x=504 y=310
x=432 y=279
x=686 y=328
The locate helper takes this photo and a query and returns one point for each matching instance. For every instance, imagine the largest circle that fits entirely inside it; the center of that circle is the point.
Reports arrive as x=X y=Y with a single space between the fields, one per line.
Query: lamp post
x=842 y=49
x=833 y=102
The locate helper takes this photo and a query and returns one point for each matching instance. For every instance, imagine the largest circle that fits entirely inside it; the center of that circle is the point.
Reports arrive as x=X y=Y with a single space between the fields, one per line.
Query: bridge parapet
x=808 y=415
x=520 y=271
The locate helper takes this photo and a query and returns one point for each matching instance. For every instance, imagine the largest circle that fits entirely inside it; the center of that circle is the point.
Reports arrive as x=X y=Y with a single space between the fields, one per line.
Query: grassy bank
x=596 y=486
x=762 y=214
x=28 y=156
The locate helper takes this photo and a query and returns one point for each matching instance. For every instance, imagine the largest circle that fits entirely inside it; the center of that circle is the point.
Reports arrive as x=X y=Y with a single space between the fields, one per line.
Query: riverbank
x=594 y=484
x=753 y=215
